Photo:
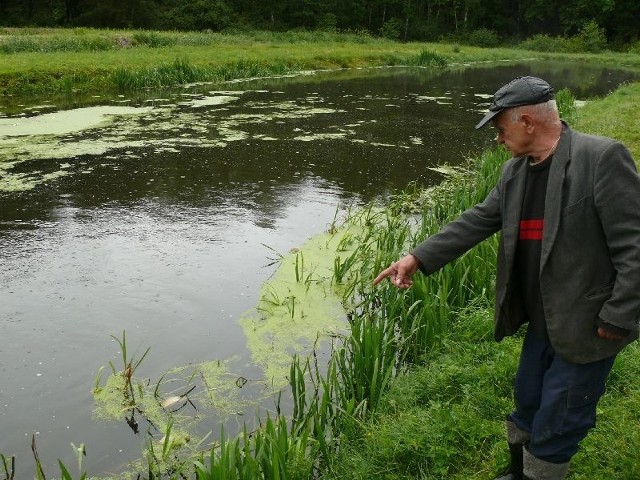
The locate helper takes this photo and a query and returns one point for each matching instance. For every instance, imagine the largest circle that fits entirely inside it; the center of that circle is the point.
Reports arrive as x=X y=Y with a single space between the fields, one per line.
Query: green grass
x=444 y=420
x=440 y=421
x=615 y=116
x=94 y=61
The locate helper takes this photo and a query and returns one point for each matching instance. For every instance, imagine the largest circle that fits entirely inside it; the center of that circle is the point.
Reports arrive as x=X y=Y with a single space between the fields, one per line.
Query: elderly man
x=568 y=208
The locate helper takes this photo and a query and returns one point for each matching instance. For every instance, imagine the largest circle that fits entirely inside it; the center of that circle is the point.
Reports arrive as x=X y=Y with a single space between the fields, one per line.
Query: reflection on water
x=158 y=218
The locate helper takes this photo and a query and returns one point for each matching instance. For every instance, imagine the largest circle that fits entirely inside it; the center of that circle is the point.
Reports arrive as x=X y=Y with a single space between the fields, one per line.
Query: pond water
x=159 y=216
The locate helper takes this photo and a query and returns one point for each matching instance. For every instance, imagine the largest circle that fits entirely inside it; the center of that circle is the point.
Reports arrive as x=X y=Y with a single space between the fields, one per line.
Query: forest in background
x=482 y=22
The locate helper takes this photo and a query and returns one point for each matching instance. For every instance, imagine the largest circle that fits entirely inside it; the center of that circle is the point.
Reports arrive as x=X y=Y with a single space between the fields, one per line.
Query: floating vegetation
x=100 y=130
x=298 y=305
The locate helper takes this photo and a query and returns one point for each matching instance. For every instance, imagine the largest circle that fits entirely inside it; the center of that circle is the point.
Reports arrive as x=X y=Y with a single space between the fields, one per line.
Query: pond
x=161 y=215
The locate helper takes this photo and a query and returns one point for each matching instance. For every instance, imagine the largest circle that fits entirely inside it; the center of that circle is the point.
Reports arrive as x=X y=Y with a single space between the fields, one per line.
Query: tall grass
x=181 y=71
x=90 y=40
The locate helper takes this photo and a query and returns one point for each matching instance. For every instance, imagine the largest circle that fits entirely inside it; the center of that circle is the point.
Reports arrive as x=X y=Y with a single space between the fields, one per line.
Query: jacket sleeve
x=469 y=229
x=617 y=200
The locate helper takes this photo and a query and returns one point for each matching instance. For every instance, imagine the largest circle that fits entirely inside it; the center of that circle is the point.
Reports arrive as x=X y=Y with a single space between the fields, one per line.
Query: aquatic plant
x=9 y=466
x=129 y=364
x=80 y=452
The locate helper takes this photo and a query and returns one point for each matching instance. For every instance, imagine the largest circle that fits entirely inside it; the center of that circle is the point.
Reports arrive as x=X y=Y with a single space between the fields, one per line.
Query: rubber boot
x=516 y=438
x=537 y=469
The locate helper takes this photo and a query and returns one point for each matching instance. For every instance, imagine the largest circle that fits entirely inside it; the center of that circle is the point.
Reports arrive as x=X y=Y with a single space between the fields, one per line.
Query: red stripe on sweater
x=531 y=229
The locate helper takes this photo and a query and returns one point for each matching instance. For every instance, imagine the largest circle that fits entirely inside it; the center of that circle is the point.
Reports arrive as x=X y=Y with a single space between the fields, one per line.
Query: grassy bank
x=38 y=61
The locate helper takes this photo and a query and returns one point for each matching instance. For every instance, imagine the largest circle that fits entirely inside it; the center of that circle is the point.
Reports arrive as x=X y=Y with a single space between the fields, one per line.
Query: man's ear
x=529 y=122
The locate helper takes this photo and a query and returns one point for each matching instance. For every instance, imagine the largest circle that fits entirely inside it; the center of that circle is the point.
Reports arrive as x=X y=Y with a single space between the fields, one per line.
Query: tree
x=197 y=15
x=575 y=14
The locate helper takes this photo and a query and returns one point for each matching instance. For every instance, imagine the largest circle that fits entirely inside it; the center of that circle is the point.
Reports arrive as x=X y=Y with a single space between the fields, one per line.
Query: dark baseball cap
x=519 y=91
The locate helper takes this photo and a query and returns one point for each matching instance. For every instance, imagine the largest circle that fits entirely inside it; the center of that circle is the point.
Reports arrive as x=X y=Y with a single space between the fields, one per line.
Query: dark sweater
x=527 y=261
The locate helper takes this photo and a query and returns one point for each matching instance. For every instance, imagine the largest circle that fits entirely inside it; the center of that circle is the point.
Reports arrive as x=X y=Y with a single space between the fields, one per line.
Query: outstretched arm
x=473 y=226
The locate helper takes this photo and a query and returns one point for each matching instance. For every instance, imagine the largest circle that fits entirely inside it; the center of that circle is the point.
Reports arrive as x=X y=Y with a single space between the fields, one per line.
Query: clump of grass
x=154 y=39
x=55 y=44
x=428 y=58
x=182 y=71
x=566 y=104
x=431 y=422
x=129 y=365
x=165 y=75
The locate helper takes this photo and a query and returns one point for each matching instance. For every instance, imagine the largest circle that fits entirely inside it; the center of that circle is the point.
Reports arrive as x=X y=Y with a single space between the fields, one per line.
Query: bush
x=545 y=43
x=634 y=48
x=328 y=22
x=592 y=38
x=484 y=37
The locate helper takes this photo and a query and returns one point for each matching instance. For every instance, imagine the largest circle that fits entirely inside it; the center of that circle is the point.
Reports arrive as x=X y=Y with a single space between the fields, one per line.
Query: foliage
x=391 y=29
x=592 y=38
x=545 y=43
x=483 y=37
x=409 y=20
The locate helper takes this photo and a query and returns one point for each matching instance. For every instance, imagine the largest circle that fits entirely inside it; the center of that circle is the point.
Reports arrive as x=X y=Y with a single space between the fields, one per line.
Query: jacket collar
x=553 y=200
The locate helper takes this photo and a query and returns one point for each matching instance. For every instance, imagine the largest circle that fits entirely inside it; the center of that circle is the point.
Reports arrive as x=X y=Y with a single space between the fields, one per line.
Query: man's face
x=512 y=134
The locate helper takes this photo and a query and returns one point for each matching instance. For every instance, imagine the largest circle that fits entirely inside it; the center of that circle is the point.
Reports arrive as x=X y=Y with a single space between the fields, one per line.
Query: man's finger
x=383 y=274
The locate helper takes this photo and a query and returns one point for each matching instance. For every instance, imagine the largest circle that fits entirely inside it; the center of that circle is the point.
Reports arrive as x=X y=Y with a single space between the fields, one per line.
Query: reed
x=182 y=71
x=80 y=452
x=9 y=466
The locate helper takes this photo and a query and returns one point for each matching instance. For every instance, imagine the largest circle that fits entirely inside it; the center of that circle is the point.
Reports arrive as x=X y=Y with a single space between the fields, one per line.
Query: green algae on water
x=298 y=306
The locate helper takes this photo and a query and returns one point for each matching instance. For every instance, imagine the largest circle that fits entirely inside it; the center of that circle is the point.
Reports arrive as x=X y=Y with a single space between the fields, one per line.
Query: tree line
x=425 y=20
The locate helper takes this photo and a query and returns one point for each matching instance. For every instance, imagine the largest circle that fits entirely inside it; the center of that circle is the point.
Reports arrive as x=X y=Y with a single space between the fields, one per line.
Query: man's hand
x=400 y=272
x=603 y=333
x=611 y=332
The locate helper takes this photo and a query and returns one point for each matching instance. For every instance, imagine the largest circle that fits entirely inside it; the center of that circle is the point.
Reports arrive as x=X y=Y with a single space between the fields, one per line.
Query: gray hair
x=547 y=112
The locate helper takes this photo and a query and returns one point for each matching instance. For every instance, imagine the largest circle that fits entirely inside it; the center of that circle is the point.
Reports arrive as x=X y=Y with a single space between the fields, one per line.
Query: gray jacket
x=590 y=260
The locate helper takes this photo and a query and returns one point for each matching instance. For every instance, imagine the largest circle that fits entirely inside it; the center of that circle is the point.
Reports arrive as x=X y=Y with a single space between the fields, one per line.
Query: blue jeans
x=556 y=400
